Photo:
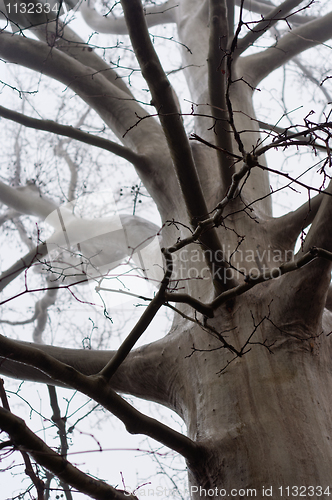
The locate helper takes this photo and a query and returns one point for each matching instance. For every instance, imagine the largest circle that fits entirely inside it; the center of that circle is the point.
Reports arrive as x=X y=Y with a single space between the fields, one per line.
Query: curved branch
x=41 y=310
x=285 y=132
x=24 y=263
x=71 y=44
x=25 y=439
x=56 y=34
x=305 y=138
x=73 y=169
x=26 y=200
x=40 y=313
x=38 y=483
x=254 y=279
x=113 y=105
x=308 y=74
x=123 y=114
x=96 y=388
x=61 y=152
x=136 y=376
x=276 y=14
x=73 y=133
x=264 y=8
x=157 y=14
x=291 y=225
x=258 y=66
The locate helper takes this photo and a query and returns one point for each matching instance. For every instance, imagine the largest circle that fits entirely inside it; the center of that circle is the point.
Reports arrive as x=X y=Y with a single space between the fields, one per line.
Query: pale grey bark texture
x=247 y=363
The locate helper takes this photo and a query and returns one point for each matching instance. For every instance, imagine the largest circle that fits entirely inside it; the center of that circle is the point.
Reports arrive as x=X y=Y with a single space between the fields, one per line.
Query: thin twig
x=150 y=312
x=38 y=483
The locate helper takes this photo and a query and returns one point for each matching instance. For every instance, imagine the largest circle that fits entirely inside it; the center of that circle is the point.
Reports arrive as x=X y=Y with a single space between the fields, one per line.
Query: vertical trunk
x=266 y=420
x=194 y=31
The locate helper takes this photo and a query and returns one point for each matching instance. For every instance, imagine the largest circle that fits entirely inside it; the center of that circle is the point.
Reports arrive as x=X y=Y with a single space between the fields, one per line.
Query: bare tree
x=246 y=363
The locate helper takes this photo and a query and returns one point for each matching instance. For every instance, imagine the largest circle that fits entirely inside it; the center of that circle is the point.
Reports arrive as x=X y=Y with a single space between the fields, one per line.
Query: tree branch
x=41 y=308
x=258 y=66
x=74 y=133
x=40 y=313
x=95 y=388
x=150 y=312
x=61 y=152
x=308 y=74
x=291 y=225
x=285 y=132
x=162 y=95
x=254 y=279
x=23 y=263
x=164 y=102
x=26 y=200
x=306 y=138
x=60 y=423
x=154 y=15
x=264 y=8
x=50 y=29
x=38 y=483
x=218 y=87
x=275 y=15
x=113 y=105
x=123 y=114
x=136 y=376
x=25 y=439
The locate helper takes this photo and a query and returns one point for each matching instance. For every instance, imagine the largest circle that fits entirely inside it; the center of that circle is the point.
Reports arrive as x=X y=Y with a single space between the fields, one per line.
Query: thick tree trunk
x=266 y=420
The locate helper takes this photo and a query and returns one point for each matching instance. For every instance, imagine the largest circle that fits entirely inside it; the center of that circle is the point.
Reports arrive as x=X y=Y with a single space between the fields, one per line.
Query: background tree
x=246 y=363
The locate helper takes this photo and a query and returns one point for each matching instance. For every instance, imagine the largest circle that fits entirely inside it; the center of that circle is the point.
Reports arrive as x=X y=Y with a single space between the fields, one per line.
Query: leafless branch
x=306 y=138
x=156 y=14
x=291 y=44
x=26 y=200
x=156 y=303
x=251 y=281
x=41 y=309
x=276 y=14
x=95 y=387
x=23 y=263
x=61 y=425
x=284 y=132
x=73 y=133
x=264 y=8
x=217 y=88
x=308 y=74
x=38 y=483
x=25 y=439
x=162 y=95
x=292 y=224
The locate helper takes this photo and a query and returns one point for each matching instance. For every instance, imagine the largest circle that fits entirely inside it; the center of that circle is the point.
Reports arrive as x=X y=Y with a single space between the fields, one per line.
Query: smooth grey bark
x=260 y=414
